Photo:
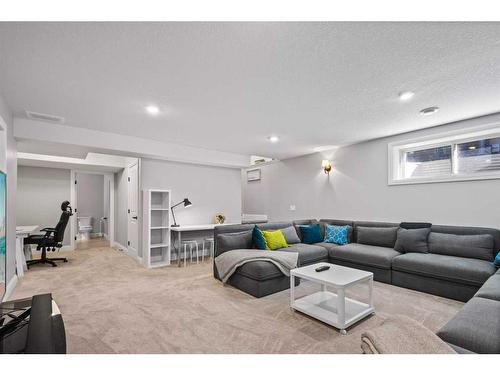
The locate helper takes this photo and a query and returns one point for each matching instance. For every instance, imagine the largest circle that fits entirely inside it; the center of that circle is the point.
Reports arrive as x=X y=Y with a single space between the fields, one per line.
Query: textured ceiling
x=227 y=86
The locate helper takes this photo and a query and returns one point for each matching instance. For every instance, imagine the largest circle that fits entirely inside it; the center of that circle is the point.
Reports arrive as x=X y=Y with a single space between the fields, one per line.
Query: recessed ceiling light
x=273 y=138
x=152 y=109
x=406 y=95
x=472 y=147
x=429 y=111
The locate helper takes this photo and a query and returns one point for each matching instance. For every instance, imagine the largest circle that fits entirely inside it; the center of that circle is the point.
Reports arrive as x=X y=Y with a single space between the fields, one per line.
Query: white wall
x=40 y=192
x=90 y=197
x=357 y=188
x=210 y=189
x=8 y=163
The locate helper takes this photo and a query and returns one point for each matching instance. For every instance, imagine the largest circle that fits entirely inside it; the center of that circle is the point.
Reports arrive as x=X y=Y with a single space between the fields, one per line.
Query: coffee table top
x=337 y=276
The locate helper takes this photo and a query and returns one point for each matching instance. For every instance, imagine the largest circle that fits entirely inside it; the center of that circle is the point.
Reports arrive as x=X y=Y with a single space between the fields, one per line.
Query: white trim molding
x=120 y=247
x=396 y=150
x=11 y=285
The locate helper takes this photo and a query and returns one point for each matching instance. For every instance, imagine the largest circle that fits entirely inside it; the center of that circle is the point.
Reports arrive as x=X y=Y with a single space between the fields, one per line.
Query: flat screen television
x=3 y=232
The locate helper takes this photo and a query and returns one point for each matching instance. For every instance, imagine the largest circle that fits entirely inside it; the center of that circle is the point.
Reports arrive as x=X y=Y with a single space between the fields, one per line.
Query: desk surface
x=187 y=228
x=26 y=229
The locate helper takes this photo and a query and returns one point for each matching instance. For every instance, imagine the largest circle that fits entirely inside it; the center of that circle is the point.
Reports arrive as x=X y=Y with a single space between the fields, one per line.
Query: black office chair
x=52 y=238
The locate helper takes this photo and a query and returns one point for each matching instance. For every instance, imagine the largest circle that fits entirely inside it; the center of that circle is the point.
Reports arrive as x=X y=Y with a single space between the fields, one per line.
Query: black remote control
x=322 y=268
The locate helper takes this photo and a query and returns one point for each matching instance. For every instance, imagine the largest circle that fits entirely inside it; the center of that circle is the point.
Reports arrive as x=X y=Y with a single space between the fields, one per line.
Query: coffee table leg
x=292 y=291
x=370 y=292
x=341 y=310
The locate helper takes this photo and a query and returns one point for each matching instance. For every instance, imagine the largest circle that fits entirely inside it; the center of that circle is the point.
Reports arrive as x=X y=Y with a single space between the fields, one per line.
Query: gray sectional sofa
x=456 y=264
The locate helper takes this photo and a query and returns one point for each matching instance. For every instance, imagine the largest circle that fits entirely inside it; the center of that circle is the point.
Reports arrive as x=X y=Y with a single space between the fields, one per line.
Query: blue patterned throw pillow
x=337 y=234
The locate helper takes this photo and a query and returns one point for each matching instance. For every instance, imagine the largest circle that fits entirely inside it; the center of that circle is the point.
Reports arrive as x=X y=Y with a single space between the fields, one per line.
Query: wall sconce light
x=327 y=166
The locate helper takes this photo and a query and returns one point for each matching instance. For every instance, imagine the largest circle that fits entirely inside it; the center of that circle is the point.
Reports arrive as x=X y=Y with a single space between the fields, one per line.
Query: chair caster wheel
x=65 y=261
x=343 y=332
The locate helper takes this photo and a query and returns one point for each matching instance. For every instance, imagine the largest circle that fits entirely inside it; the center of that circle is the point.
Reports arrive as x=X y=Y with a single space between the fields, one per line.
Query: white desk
x=21 y=233
x=191 y=228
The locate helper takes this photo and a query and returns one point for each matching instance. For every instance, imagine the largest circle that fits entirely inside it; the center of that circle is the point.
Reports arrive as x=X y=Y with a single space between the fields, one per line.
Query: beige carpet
x=111 y=304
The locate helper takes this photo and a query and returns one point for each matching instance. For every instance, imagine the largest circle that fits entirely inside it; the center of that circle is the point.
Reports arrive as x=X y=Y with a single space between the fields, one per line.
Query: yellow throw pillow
x=274 y=240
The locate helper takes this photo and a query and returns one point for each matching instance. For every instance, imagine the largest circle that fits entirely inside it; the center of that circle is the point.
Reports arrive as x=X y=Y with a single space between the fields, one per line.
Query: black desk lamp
x=186 y=202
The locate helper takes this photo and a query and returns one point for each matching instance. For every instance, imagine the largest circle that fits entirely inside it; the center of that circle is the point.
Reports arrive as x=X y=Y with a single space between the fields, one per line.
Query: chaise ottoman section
x=260 y=279
x=476 y=327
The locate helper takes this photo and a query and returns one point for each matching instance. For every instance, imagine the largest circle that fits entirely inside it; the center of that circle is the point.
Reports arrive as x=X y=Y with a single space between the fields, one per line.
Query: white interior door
x=133 y=208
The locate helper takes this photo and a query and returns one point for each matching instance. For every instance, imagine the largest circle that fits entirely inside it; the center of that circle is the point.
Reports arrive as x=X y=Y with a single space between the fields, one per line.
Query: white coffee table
x=332 y=308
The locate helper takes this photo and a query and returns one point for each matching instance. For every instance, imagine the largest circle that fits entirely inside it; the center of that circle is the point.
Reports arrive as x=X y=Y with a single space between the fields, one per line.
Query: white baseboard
x=65 y=248
x=10 y=288
x=131 y=254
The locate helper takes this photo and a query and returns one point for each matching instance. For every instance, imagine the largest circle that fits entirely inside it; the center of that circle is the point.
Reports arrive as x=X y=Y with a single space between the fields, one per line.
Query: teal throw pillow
x=496 y=262
x=258 y=239
x=311 y=233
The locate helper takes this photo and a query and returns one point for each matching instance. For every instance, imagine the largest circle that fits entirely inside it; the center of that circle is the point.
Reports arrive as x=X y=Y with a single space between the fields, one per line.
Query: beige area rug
x=111 y=304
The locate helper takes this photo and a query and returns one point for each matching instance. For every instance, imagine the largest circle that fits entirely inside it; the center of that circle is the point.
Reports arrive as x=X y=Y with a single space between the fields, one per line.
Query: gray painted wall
x=40 y=192
x=90 y=197
x=357 y=188
x=210 y=189
x=121 y=200
x=8 y=163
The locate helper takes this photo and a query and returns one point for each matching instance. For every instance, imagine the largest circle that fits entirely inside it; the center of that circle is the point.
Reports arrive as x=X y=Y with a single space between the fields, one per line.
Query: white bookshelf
x=156 y=237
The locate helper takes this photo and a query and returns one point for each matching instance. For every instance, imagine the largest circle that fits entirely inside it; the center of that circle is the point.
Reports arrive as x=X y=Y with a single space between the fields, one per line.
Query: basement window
x=458 y=157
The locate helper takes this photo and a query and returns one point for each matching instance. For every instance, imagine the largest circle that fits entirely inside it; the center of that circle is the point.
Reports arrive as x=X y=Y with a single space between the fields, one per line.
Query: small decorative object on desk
x=219 y=219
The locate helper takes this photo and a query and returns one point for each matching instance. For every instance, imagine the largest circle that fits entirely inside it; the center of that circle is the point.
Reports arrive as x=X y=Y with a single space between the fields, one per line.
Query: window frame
x=397 y=150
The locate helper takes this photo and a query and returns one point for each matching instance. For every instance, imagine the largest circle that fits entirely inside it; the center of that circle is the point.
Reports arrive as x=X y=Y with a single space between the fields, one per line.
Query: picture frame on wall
x=3 y=233
x=253 y=174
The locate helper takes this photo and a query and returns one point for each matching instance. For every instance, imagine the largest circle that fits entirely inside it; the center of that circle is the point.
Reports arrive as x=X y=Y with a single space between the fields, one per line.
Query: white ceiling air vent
x=44 y=117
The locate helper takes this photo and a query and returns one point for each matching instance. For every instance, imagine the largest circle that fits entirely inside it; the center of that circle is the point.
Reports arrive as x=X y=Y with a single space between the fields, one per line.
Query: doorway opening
x=93 y=202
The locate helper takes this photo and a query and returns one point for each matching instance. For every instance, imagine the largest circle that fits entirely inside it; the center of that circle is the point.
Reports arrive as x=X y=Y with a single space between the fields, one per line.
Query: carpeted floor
x=111 y=304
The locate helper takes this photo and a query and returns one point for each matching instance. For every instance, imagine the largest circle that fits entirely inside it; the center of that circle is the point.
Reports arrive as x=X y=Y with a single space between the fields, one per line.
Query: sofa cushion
x=291 y=235
x=259 y=270
x=412 y=240
x=375 y=256
x=308 y=254
x=414 y=225
x=461 y=230
x=232 y=241
x=274 y=226
x=479 y=246
x=376 y=236
x=476 y=327
x=491 y=288
x=461 y=270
